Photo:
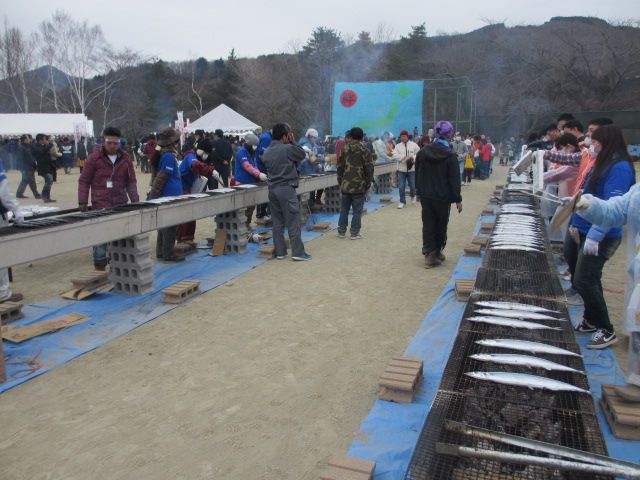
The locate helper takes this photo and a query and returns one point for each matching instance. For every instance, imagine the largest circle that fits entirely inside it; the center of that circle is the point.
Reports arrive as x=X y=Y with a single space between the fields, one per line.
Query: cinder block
x=179 y=292
x=487 y=227
x=463 y=289
x=10 y=311
x=132 y=287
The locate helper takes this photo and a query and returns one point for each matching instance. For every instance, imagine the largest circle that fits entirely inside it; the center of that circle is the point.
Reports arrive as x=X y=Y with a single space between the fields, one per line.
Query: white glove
x=583 y=204
x=590 y=247
x=263 y=177
x=215 y=175
x=18 y=217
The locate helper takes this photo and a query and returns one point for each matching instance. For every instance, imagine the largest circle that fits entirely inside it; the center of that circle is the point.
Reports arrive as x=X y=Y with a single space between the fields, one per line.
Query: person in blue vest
x=246 y=170
x=262 y=211
x=166 y=183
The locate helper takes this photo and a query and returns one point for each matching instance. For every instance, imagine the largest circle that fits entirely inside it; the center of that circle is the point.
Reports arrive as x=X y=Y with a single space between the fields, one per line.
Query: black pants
x=586 y=277
x=165 y=242
x=435 y=219
x=467 y=174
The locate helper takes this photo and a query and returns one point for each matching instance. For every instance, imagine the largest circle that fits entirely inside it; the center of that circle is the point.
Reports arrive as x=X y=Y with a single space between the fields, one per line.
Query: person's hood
x=436 y=152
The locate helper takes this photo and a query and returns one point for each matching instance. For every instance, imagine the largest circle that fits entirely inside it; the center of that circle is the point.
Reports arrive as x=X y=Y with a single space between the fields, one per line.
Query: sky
x=186 y=29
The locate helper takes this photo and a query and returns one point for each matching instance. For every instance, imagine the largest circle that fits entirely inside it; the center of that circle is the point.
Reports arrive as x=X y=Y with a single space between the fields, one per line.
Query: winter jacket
x=191 y=168
x=263 y=143
x=355 y=168
x=380 y=149
x=245 y=168
x=438 y=173
x=99 y=170
x=282 y=161
x=460 y=149
x=221 y=152
x=617 y=180
x=26 y=161
x=486 y=152
x=403 y=152
x=46 y=166
x=149 y=148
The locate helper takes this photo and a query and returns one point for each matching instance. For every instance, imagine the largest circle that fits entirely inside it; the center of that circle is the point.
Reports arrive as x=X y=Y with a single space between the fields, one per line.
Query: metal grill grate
x=519 y=282
x=568 y=428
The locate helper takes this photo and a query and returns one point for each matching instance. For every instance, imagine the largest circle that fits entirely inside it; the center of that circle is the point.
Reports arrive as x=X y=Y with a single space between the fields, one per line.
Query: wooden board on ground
x=219 y=243
x=400 y=379
x=488 y=211
x=321 y=226
x=20 y=333
x=179 y=292
x=482 y=241
x=385 y=199
x=472 y=250
x=623 y=416
x=10 y=311
x=89 y=281
x=486 y=227
x=464 y=287
x=342 y=467
x=82 y=293
x=266 y=251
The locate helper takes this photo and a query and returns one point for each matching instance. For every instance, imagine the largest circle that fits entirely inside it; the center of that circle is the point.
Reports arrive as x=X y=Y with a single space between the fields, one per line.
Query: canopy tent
x=224 y=118
x=49 y=123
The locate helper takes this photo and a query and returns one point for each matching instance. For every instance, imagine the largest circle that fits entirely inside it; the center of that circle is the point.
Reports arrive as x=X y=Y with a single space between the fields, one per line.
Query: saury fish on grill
x=511 y=323
x=515 y=247
x=526 y=380
x=525 y=346
x=523 y=361
x=513 y=306
x=496 y=312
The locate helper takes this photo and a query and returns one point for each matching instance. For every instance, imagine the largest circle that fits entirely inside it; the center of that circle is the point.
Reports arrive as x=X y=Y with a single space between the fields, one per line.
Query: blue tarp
x=114 y=314
x=377 y=106
x=390 y=431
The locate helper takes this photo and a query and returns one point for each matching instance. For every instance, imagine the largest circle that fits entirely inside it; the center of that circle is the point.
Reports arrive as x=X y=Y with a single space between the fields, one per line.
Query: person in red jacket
x=110 y=176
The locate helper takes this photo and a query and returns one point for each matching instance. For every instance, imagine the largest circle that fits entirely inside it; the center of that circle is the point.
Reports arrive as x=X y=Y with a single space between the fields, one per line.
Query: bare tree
x=383 y=33
x=15 y=60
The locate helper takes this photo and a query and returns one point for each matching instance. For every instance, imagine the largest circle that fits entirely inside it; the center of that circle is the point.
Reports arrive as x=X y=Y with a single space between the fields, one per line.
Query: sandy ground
x=264 y=377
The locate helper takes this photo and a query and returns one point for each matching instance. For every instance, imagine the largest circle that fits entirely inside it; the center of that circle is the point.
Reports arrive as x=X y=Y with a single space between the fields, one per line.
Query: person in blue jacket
x=589 y=246
x=246 y=170
x=262 y=210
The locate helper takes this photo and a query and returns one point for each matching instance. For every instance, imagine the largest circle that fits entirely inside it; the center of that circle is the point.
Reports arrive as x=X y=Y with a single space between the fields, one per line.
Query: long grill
x=562 y=418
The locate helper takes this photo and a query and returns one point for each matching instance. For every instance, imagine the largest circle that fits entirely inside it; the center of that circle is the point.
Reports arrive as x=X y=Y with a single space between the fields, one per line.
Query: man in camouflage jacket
x=355 y=174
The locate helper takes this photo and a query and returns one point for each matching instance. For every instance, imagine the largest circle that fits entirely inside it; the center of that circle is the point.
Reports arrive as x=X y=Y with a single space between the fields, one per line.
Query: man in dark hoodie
x=438 y=186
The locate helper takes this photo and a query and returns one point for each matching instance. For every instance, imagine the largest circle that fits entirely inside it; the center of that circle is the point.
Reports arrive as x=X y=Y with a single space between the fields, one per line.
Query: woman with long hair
x=589 y=246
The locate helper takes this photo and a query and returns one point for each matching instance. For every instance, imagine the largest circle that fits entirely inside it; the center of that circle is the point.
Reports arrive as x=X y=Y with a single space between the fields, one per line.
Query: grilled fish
x=525 y=346
x=523 y=361
x=513 y=306
x=496 y=312
x=516 y=247
x=526 y=380
x=512 y=323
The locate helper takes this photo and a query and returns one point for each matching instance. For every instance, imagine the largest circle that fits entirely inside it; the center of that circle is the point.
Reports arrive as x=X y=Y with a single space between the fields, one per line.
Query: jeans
x=402 y=184
x=461 y=166
x=347 y=201
x=586 y=277
x=435 y=220
x=100 y=255
x=28 y=179
x=46 y=190
x=285 y=211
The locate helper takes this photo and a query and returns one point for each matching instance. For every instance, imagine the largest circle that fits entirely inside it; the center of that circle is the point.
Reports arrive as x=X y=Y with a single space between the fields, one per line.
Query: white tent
x=49 y=123
x=224 y=118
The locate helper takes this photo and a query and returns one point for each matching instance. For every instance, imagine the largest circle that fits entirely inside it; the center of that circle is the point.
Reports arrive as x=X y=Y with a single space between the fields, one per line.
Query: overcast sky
x=183 y=29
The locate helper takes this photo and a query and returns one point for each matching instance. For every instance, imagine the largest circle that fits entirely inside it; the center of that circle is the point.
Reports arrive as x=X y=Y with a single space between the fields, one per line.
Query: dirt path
x=264 y=377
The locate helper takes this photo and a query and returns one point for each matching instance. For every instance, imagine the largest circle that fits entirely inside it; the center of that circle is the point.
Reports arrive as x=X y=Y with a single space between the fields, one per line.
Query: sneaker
x=401 y=205
x=21 y=196
x=414 y=200
x=585 y=327
x=280 y=257
x=357 y=236
x=432 y=260
x=302 y=258
x=342 y=235
x=602 y=339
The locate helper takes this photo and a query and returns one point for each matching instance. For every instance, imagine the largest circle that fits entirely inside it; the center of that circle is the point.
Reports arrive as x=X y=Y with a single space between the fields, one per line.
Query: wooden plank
x=20 y=333
x=398 y=396
x=621 y=431
x=219 y=243
x=482 y=241
x=321 y=226
x=352 y=463
x=622 y=412
x=472 y=250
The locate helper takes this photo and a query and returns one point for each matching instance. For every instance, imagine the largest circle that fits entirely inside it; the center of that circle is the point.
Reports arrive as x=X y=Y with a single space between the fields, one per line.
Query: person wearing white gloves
x=246 y=170
x=616 y=212
x=589 y=246
x=8 y=203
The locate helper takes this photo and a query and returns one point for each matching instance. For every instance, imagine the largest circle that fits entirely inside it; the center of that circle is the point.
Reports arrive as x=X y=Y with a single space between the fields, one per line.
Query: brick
x=472 y=250
x=399 y=381
x=90 y=280
x=486 y=227
x=10 y=311
x=181 y=291
x=482 y=241
x=463 y=289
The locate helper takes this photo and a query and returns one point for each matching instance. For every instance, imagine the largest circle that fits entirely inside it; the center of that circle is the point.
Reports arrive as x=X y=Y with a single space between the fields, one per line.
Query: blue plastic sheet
x=390 y=431
x=377 y=106
x=114 y=314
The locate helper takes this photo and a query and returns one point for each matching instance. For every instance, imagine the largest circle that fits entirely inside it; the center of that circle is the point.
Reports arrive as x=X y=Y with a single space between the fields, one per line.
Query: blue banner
x=377 y=107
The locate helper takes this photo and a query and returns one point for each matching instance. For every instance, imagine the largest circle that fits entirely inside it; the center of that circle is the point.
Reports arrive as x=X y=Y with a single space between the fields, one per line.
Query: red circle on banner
x=348 y=98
